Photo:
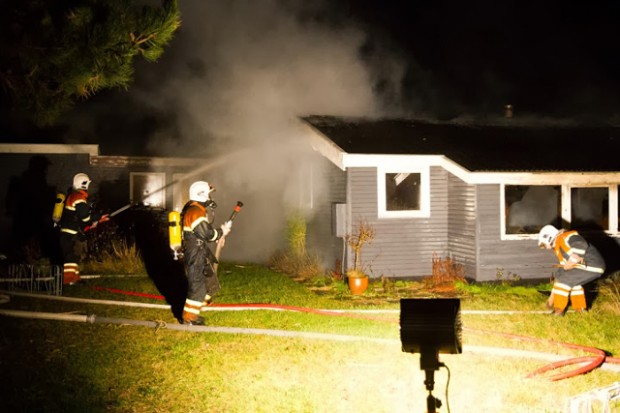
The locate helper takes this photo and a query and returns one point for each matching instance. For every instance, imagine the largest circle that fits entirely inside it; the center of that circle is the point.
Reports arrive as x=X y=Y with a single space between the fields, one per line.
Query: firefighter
x=580 y=263
x=198 y=259
x=76 y=219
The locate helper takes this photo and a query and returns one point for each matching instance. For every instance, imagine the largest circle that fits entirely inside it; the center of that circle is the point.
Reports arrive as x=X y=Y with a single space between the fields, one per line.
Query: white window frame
x=565 y=208
x=425 y=192
x=160 y=192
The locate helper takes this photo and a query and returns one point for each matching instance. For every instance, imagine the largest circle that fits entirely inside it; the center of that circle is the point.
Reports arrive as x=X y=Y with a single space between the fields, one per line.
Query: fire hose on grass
x=597 y=360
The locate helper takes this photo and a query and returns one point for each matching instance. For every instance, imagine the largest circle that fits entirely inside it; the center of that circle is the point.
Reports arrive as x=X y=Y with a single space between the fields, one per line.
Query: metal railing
x=597 y=400
x=29 y=277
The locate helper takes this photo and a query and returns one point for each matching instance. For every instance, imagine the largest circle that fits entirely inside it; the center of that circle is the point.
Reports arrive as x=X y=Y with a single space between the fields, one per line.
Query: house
x=32 y=174
x=475 y=193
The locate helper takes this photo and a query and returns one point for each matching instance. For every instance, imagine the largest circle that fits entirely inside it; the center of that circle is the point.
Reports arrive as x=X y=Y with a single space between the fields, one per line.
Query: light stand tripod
x=429 y=327
x=429 y=362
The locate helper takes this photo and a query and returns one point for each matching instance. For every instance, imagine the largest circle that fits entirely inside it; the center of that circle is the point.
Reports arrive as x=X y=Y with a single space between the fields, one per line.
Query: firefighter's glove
x=104 y=218
x=572 y=262
x=226 y=226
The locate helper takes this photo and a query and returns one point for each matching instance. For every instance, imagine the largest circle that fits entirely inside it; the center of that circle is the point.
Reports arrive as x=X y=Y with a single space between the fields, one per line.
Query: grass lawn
x=355 y=364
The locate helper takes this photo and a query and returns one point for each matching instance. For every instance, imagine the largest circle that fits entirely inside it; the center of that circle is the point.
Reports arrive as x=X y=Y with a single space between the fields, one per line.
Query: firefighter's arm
x=572 y=261
x=206 y=232
x=103 y=218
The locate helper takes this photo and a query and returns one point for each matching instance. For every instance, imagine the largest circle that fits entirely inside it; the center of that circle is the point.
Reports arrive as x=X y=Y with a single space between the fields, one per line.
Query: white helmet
x=199 y=191
x=547 y=236
x=81 y=181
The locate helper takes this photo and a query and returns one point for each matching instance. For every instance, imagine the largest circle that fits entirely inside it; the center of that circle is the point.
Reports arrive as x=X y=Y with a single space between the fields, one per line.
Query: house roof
x=480 y=148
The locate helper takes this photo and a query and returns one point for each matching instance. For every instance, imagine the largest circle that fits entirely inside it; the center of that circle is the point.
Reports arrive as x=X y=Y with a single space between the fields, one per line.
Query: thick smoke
x=237 y=77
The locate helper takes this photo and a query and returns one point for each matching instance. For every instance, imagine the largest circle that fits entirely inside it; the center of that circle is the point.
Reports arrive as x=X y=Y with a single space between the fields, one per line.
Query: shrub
x=304 y=267
x=364 y=234
x=610 y=289
x=122 y=257
x=296 y=261
x=446 y=272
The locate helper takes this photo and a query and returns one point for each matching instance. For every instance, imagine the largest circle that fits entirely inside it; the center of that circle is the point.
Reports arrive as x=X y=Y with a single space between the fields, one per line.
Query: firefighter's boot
x=191 y=313
x=71 y=273
x=199 y=321
x=560 y=294
x=578 y=299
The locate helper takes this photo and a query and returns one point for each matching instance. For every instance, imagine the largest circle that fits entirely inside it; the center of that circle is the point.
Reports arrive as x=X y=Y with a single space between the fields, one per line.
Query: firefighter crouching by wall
x=76 y=219
x=198 y=259
x=580 y=263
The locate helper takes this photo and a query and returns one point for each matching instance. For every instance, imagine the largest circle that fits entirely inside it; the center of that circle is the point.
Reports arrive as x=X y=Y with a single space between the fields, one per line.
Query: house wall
x=507 y=259
x=462 y=239
x=329 y=189
x=464 y=225
x=402 y=247
x=29 y=183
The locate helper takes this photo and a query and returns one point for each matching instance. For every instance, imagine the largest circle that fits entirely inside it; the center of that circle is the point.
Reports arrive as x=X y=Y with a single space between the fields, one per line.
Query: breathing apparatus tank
x=174 y=233
x=59 y=206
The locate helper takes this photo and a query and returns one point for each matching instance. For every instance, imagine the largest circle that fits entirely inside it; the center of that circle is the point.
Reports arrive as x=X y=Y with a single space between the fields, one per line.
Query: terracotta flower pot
x=358 y=285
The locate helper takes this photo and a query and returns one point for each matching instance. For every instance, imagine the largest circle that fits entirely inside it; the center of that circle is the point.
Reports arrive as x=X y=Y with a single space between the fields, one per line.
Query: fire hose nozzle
x=236 y=209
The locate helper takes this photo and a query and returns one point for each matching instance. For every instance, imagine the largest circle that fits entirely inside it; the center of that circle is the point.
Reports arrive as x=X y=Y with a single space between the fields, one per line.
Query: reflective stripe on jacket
x=569 y=243
x=76 y=215
x=194 y=220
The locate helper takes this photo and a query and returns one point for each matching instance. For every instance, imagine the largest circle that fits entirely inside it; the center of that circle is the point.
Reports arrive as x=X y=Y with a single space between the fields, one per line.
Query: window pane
x=147 y=188
x=402 y=191
x=589 y=208
x=529 y=208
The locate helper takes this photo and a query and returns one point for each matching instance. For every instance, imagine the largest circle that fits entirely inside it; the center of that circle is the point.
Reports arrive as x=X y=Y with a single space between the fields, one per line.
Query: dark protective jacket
x=592 y=264
x=197 y=257
x=76 y=215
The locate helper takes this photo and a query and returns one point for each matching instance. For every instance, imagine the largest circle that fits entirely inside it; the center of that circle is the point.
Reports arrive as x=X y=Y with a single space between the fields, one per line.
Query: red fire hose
x=591 y=362
x=258 y=305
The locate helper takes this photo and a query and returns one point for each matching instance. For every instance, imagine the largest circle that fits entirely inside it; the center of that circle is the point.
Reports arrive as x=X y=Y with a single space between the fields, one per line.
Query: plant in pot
x=357 y=279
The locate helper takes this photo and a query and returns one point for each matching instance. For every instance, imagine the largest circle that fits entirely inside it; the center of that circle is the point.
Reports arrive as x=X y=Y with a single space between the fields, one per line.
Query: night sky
x=436 y=59
x=547 y=58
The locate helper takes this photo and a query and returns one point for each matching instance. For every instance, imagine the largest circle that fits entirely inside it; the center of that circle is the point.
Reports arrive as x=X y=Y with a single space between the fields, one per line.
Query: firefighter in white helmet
x=198 y=259
x=76 y=219
x=580 y=263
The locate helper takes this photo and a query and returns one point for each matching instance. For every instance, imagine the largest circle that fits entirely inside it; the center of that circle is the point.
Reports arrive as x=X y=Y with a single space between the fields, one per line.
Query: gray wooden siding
x=402 y=247
x=506 y=259
x=462 y=224
x=330 y=189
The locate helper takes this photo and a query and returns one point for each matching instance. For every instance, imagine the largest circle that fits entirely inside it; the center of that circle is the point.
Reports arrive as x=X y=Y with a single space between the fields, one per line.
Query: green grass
x=63 y=366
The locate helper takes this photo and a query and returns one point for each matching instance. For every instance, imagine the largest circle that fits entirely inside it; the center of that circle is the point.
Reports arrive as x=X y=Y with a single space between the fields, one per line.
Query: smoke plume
x=232 y=87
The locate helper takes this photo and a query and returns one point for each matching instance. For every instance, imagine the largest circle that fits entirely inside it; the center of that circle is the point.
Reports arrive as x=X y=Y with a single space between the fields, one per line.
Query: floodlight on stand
x=430 y=326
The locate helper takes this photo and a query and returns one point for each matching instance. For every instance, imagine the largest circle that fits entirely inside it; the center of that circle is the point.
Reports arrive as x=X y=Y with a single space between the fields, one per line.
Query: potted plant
x=357 y=279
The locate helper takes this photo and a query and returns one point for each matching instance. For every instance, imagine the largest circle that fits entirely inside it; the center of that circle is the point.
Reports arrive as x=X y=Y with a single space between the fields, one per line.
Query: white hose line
x=87 y=300
x=196 y=329
x=240 y=307
x=494 y=351
x=96 y=276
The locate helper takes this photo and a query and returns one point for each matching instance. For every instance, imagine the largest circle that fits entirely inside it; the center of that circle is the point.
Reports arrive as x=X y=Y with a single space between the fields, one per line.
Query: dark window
x=402 y=191
x=530 y=207
x=589 y=208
